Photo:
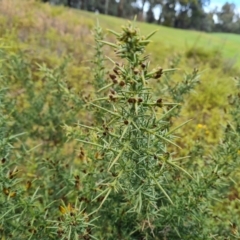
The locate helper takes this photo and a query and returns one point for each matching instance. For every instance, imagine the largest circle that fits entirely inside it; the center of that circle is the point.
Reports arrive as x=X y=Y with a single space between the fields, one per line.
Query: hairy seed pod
x=112 y=76
x=158 y=73
x=131 y=100
x=122 y=83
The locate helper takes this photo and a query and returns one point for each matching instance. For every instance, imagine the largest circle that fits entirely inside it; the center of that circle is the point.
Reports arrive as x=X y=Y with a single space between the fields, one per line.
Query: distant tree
x=208 y=23
x=168 y=14
x=191 y=15
x=186 y=14
x=127 y=8
x=197 y=14
x=226 y=17
x=237 y=23
x=150 y=16
x=121 y=8
x=106 y=6
x=77 y=4
x=140 y=8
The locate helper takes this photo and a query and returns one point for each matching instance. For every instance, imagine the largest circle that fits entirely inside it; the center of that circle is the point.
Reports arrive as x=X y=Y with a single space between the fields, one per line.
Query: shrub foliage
x=108 y=164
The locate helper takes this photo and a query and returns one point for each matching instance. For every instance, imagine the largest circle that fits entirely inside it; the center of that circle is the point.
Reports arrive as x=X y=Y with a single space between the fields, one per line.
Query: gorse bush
x=151 y=193
x=36 y=171
x=107 y=164
x=227 y=157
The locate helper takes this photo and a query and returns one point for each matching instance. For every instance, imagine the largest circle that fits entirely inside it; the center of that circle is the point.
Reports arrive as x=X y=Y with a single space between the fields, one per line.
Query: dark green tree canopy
x=186 y=14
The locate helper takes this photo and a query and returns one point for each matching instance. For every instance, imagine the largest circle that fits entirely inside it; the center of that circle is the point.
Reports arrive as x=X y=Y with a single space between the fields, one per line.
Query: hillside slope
x=49 y=34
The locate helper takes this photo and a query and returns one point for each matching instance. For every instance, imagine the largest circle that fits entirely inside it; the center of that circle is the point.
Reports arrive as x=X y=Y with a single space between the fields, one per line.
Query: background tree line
x=185 y=14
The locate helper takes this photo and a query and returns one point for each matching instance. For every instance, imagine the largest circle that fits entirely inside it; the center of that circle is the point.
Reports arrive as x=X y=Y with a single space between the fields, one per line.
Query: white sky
x=220 y=3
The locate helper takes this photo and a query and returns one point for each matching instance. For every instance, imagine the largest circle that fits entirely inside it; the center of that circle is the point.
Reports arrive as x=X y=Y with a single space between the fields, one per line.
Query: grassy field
x=47 y=21
x=178 y=39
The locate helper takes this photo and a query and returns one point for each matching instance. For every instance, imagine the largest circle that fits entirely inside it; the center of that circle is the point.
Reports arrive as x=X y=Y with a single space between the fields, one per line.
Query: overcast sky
x=219 y=3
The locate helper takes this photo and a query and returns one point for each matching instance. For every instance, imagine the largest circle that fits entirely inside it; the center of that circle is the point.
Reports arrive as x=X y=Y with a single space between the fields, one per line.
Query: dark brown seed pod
x=136 y=71
x=131 y=100
x=122 y=83
x=112 y=76
x=159 y=102
x=6 y=191
x=159 y=73
x=12 y=174
x=112 y=91
x=81 y=154
x=116 y=70
x=143 y=65
x=100 y=199
x=115 y=81
x=111 y=97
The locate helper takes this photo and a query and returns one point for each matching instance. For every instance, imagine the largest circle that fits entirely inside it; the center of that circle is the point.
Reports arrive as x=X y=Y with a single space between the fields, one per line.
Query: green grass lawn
x=178 y=39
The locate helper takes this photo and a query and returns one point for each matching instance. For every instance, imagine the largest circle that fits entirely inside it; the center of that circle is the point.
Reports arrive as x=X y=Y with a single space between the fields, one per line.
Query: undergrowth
x=114 y=156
